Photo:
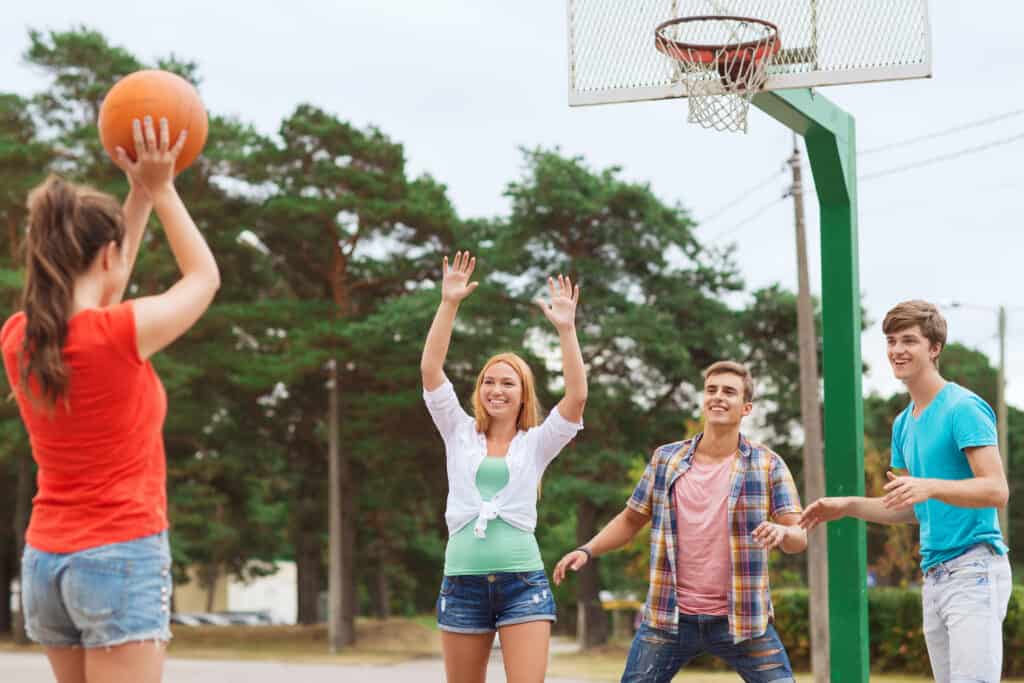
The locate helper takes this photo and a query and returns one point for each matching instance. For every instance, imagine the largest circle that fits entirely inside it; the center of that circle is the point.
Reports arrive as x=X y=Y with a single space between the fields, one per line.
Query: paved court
x=33 y=668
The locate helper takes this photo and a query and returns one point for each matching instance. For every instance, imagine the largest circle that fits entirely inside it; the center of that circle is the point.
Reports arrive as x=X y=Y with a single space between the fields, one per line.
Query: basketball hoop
x=723 y=62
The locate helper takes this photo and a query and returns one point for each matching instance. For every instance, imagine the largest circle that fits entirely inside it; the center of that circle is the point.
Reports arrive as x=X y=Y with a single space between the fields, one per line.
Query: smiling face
x=725 y=403
x=910 y=353
x=501 y=391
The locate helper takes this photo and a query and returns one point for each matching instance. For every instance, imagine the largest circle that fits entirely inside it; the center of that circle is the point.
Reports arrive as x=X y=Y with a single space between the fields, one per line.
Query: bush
x=894 y=627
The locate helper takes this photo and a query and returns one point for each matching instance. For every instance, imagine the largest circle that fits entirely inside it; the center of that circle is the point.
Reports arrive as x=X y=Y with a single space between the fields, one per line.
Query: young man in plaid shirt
x=717 y=504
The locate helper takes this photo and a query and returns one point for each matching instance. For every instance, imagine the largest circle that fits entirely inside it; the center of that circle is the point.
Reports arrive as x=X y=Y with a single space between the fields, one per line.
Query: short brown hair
x=733 y=368
x=925 y=315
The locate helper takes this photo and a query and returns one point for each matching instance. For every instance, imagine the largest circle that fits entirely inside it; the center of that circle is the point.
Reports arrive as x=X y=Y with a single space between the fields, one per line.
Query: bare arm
x=617 y=533
x=787 y=535
x=455 y=286
x=987 y=489
x=868 y=509
x=137 y=204
x=562 y=314
x=161 y=319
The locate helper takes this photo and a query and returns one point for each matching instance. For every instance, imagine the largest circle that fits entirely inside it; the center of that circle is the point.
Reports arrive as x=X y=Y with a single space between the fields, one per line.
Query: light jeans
x=965 y=601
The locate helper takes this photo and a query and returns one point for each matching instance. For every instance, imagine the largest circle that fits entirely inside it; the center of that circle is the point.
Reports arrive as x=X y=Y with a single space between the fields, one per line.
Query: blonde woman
x=494 y=577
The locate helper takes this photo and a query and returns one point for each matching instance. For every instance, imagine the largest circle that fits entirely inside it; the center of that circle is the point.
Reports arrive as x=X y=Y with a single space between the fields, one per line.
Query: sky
x=463 y=86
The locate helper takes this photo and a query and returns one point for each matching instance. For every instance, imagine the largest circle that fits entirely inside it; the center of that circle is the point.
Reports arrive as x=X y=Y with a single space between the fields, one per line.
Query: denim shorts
x=486 y=602
x=99 y=597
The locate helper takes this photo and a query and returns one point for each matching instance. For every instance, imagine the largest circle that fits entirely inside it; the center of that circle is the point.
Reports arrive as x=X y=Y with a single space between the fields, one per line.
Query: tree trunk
x=22 y=511
x=382 y=592
x=7 y=558
x=308 y=574
x=349 y=606
x=592 y=622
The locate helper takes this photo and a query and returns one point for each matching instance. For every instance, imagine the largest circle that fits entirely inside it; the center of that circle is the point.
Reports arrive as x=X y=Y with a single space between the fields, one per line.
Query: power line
x=942 y=157
x=948 y=131
x=748 y=219
x=742 y=197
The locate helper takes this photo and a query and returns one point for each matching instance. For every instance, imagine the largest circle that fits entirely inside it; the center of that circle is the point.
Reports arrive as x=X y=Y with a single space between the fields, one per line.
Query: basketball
x=159 y=94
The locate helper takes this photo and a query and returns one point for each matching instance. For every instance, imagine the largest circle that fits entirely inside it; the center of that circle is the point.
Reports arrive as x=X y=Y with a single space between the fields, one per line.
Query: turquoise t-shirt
x=932 y=446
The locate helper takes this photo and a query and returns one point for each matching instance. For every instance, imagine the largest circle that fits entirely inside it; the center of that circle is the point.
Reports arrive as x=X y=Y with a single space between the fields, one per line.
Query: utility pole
x=1001 y=419
x=814 y=465
x=336 y=637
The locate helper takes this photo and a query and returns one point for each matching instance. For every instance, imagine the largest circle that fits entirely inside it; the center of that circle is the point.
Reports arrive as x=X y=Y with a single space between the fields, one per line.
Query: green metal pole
x=829 y=133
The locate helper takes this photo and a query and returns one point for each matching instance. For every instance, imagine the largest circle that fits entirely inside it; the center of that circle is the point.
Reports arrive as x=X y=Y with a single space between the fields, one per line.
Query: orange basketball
x=159 y=94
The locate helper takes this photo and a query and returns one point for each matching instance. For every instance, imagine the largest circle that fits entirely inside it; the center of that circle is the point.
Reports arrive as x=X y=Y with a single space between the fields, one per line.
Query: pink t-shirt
x=703 y=564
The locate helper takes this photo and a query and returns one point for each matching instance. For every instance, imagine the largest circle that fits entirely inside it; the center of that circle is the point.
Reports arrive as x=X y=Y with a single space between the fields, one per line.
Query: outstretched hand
x=573 y=560
x=561 y=311
x=153 y=167
x=821 y=511
x=455 y=284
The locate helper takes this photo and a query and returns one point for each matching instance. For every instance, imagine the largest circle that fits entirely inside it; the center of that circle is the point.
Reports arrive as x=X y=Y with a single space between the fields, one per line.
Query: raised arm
x=617 y=533
x=137 y=204
x=161 y=319
x=561 y=311
x=455 y=286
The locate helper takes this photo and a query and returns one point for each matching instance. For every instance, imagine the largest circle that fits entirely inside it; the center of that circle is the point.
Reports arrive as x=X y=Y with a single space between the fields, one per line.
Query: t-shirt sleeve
x=785 y=496
x=552 y=436
x=445 y=409
x=117 y=325
x=642 y=499
x=974 y=423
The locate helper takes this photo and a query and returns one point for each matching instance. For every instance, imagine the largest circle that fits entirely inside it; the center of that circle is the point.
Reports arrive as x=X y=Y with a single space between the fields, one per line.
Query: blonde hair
x=529 y=411
x=733 y=368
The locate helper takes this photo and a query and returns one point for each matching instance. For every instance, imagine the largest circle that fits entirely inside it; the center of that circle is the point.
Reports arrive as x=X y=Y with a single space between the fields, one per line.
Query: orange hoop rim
x=710 y=54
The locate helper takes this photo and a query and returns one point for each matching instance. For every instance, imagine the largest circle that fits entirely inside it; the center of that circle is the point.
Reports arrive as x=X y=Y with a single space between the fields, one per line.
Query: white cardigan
x=465 y=449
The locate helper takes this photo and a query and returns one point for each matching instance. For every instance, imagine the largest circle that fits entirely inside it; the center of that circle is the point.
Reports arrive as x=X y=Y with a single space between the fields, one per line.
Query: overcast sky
x=463 y=85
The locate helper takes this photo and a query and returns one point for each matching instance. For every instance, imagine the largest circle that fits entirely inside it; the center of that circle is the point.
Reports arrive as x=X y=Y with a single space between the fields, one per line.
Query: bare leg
x=524 y=647
x=138 y=662
x=466 y=655
x=68 y=664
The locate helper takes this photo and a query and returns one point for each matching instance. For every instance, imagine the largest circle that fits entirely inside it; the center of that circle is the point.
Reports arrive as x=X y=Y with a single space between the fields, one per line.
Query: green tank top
x=505 y=549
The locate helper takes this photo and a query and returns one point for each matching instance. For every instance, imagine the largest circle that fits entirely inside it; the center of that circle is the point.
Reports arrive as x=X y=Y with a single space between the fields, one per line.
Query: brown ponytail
x=67 y=227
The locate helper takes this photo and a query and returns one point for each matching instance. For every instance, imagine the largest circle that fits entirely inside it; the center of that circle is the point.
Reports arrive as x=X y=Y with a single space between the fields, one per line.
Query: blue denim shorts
x=486 y=602
x=99 y=597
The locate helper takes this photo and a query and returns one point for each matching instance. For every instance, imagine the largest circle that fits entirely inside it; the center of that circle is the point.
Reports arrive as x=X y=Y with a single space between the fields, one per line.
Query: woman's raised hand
x=153 y=167
x=561 y=311
x=455 y=285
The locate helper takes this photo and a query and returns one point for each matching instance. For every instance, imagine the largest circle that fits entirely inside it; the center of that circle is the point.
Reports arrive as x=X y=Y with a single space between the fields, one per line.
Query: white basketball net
x=723 y=63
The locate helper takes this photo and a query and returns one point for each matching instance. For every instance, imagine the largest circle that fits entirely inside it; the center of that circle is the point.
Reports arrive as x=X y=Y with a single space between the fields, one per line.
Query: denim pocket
x=448 y=585
x=537 y=579
x=95 y=587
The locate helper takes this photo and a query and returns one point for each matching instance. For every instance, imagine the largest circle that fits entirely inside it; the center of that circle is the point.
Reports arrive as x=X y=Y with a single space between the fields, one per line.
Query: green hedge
x=894 y=625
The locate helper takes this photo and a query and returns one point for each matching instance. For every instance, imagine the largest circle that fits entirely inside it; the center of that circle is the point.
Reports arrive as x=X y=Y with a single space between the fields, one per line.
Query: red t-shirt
x=102 y=471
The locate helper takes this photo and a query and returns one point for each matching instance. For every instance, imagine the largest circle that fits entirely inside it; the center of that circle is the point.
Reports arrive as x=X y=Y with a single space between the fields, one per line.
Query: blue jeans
x=486 y=602
x=656 y=656
x=99 y=597
x=965 y=601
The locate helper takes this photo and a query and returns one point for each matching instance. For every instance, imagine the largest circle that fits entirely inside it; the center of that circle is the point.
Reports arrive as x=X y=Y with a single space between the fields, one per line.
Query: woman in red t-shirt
x=95 y=575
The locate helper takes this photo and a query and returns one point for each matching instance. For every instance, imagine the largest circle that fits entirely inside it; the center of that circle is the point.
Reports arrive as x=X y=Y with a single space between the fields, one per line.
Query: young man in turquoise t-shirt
x=948 y=478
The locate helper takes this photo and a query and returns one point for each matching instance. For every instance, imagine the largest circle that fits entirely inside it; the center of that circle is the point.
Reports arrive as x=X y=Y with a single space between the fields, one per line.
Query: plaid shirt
x=761 y=488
